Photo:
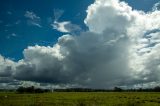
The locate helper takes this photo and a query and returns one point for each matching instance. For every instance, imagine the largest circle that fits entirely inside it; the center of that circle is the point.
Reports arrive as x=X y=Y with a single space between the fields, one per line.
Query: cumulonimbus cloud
x=121 y=48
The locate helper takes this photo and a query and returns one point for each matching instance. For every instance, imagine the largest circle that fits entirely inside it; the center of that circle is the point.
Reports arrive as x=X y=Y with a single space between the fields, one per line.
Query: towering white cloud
x=121 y=48
x=108 y=15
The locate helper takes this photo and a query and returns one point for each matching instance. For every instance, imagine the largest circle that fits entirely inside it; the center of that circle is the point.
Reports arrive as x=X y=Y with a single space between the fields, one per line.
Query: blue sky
x=144 y=5
x=16 y=34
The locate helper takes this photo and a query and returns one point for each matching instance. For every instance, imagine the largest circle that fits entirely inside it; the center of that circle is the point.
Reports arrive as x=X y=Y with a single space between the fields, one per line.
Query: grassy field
x=81 y=99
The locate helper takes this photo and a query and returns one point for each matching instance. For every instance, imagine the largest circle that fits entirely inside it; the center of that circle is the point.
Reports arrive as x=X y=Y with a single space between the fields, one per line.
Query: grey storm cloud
x=114 y=52
x=5 y=67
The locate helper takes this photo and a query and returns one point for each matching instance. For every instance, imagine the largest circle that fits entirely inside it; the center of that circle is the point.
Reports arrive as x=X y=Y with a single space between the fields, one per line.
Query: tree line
x=32 y=89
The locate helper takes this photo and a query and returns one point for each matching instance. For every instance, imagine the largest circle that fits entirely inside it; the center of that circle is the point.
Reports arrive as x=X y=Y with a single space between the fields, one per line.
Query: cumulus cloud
x=108 y=15
x=33 y=19
x=121 y=48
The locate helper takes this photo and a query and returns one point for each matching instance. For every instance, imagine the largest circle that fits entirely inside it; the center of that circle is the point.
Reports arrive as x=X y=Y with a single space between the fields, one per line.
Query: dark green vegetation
x=32 y=89
x=81 y=99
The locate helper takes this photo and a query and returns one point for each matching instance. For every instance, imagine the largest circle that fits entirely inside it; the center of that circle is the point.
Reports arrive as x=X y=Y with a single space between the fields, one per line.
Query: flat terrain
x=81 y=99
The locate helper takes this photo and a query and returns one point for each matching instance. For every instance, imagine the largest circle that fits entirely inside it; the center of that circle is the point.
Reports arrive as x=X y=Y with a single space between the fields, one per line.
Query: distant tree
x=157 y=89
x=31 y=90
x=20 y=89
x=117 y=89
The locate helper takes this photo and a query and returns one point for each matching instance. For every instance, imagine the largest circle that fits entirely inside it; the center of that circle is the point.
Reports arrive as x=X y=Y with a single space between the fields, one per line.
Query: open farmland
x=81 y=99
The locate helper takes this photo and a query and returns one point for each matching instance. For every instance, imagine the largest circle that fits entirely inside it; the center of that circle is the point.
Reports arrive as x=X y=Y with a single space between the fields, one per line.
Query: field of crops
x=81 y=99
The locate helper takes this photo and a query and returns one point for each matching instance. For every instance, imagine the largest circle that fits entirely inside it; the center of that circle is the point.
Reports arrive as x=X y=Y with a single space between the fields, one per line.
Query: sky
x=79 y=43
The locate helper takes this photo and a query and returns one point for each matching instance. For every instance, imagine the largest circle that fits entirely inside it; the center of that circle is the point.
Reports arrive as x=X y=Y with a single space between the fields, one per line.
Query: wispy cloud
x=60 y=26
x=33 y=19
x=65 y=27
x=31 y=15
x=34 y=23
x=1 y=21
x=8 y=25
x=18 y=22
x=14 y=35
x=156 y=6
x=11 y=35
x=9 y=12
x=57 y=14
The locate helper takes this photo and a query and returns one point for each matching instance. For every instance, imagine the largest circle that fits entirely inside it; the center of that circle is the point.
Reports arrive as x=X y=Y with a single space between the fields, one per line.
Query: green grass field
x=81 y=99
